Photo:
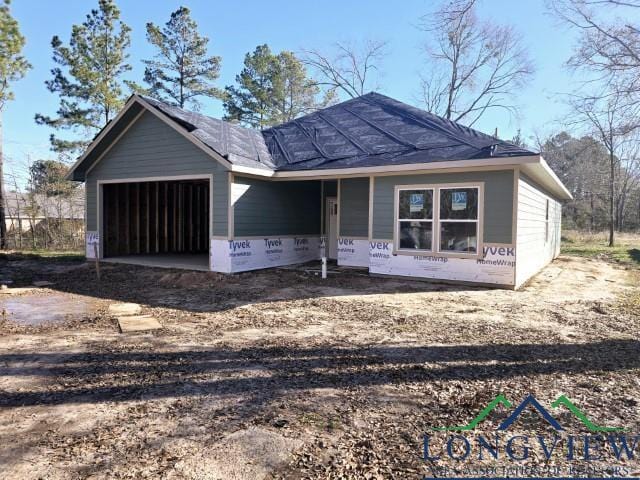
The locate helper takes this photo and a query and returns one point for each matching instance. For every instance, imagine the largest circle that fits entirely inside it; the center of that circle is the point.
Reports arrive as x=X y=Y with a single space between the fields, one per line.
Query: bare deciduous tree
x=612 y=121
x=628 y=178
x=607 y=55
x=474 y=65
x=608 y=44
x=351 y=69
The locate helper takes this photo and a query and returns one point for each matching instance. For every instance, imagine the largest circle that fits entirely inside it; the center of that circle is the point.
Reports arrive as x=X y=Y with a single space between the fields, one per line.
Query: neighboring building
x=24 y=211
x=371 y=182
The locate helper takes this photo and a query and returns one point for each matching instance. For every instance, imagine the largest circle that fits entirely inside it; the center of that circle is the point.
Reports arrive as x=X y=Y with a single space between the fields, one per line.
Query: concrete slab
x=124 y=309
x=138 y=323
x=183 y=261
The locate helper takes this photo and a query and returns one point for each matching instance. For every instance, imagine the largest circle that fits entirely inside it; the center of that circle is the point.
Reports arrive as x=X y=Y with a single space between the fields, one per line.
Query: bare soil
x=280 y=374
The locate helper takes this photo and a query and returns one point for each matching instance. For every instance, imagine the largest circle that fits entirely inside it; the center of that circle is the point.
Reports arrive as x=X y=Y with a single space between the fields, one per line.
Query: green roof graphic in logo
x=530 y=400
x=562 y=400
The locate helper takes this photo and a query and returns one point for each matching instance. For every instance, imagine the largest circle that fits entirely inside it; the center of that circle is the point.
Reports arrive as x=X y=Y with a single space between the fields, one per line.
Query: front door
x=331 y=217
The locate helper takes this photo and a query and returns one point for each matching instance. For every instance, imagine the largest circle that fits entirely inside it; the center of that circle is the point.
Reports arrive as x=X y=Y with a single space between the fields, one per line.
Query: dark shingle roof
x=371 y=130
x=241 y=146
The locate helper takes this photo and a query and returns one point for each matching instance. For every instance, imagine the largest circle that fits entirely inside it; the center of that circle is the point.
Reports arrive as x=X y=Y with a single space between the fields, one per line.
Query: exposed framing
x=99 y=199
x=435 y=251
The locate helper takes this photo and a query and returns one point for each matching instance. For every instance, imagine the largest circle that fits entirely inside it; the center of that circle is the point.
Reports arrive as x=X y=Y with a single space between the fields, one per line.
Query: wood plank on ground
x=138 y=323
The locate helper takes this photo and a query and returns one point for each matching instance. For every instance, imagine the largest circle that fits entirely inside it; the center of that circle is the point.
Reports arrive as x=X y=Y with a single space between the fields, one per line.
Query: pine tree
x=182 y=70
x=294 y=94
x=249 y=103
x=13 y=66
x=272 y=89
x=91 y=89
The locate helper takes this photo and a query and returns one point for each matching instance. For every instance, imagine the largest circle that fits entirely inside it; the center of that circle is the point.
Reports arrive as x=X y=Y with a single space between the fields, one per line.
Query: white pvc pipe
x=324 y=267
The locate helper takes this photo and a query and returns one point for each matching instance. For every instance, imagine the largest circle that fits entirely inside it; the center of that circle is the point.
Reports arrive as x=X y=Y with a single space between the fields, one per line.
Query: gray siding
x=498 y=201
x=354 y=207
x=150 y=148
x=273 y=208
x=538 y=239
x=220 y=202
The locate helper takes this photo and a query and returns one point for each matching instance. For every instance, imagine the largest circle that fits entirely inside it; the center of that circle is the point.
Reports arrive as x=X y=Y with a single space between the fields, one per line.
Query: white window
x=459 y=219
x=415 y=219
x=439 y=219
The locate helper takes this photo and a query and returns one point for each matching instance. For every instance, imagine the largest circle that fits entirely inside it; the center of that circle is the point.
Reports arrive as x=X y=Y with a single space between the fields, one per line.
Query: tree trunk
x=593 y=219
x=3 y=222
x=612 y=239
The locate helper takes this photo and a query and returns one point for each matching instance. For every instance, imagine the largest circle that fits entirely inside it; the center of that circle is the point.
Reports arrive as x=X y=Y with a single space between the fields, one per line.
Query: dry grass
x=596 y=245
x=281 y=375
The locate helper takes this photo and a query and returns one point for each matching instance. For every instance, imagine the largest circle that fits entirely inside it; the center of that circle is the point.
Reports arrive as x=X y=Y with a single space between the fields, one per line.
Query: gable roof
x=368 y=132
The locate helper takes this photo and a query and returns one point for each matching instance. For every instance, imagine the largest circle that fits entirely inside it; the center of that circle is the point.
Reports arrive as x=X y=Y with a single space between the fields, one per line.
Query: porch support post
x=339 y=211
x=371 y=184
x=321 y=207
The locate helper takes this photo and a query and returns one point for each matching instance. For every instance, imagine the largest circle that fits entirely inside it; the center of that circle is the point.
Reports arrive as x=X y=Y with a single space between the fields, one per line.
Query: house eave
x=535 y=165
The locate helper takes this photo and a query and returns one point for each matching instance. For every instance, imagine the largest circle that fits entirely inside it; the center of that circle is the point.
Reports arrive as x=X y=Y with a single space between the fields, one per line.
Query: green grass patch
x=626 y=251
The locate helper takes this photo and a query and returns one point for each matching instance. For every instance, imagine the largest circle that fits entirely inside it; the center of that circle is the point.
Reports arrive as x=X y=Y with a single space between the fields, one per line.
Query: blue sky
x=235 y=28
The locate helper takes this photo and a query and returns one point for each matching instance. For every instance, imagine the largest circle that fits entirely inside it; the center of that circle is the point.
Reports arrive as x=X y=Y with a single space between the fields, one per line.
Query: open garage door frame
x=171 y=178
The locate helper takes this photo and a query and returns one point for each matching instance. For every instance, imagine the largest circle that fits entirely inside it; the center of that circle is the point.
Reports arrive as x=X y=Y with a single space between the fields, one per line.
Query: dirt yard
x=279 y=374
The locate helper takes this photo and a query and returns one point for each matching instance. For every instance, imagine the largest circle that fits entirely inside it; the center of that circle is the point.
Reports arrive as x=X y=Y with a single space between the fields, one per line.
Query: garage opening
x=162 y=224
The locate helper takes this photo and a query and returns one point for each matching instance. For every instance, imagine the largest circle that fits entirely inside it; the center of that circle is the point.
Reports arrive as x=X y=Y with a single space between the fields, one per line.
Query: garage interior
x=164 y=224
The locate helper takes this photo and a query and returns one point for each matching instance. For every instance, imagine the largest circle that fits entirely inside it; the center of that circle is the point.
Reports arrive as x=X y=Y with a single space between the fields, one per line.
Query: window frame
x=432 y=220
x=435 y=221
x=546 y=221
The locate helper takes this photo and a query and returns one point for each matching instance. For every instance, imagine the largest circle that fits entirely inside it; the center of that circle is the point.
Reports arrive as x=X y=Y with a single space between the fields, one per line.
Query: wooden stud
x=157 y=233
x=191 y=219
x=167 y=248
x=138 y=211
x=105 y=220
x=179 y=217
x=116 y=191
x=175 y=217
x=148 y=223
x=127 y=219
x=198 y=223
